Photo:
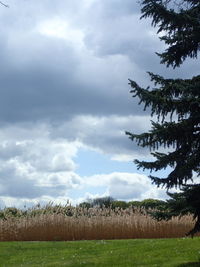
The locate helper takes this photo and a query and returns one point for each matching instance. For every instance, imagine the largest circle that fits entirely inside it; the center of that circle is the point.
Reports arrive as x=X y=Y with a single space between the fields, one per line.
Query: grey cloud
x=125 y=35
x=15 y=185
x=47 y=78
x=44 y=77
x=116 y=8
x=10 y=149
x=50 y=87
x=115 y=34
x=104 y=133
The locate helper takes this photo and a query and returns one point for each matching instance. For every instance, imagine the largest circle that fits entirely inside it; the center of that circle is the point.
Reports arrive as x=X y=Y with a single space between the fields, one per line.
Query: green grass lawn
x=138 y=252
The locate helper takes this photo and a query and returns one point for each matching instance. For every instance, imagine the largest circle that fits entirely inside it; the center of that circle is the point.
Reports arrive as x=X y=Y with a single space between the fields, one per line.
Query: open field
x=125 y=253
x=71 y=223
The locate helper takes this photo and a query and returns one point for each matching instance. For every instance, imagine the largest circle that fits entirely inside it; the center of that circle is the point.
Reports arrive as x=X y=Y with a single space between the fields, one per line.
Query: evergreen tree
x=180 y=204
x=175 y=102
x=3 y=4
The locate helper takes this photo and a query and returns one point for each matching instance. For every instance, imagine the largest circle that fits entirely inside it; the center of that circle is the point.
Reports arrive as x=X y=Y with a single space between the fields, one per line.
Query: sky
x=65 y=103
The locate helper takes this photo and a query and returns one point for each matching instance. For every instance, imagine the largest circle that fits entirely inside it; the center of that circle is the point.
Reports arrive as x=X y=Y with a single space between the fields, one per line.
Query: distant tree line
x=109 y=202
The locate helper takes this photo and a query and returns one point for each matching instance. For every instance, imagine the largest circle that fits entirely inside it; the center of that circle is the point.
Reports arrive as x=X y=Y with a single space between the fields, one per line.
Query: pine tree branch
x=177 y=96
x=182 y=28
x=169 y=135
x=3 y=4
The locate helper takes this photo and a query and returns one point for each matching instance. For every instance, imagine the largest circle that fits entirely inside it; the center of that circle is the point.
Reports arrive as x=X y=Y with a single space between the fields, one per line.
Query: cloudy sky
x=65 y=101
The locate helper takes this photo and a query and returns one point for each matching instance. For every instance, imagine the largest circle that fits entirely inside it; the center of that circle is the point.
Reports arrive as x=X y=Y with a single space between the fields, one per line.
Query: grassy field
x=137 y=252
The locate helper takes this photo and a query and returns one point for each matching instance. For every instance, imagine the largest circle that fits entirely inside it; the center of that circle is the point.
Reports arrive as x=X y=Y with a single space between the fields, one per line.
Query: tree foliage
x=3 y=4
x=180 y=204
x=98 y=202
x=109 y=202
x=175 y=102
x=181 y=28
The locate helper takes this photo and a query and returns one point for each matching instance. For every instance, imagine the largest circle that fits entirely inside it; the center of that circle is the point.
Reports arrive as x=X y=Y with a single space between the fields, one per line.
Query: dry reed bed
x=91 y=224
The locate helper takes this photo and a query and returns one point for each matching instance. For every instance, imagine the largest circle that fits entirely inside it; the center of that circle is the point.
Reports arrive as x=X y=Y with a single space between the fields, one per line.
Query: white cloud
x=124 y=157
x=34 y=165
x=60 y=28
x=126 y=186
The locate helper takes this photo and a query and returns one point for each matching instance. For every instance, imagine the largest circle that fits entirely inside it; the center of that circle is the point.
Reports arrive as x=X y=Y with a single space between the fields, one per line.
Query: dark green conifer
x=175 y=102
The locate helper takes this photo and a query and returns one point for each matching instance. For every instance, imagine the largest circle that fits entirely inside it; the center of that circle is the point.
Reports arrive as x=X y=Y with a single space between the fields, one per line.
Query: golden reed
x=57 y=223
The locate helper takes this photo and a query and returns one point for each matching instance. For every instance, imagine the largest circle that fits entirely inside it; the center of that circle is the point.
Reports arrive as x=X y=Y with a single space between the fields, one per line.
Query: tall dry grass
x=75 y=223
